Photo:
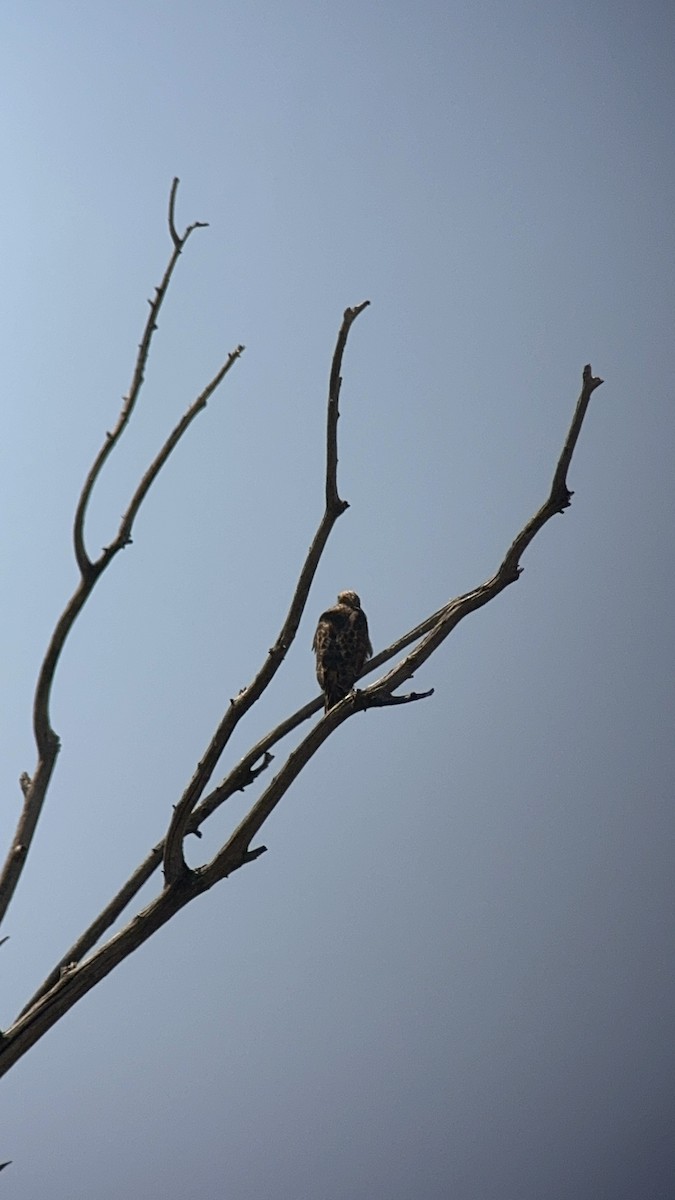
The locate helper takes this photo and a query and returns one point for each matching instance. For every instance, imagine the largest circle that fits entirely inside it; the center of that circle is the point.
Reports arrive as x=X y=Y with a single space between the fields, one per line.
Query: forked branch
x=379 y=694
x=47 y=742
x=85 y=564
x=81 y=969
x=175 y=866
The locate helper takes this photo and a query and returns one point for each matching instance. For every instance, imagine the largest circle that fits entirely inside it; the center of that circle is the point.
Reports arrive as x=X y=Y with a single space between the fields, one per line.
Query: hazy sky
x=451 y=976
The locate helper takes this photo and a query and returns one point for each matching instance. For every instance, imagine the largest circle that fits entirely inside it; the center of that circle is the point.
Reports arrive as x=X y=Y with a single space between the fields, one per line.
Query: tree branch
x=333 y=501
x=189 y=819
x=558 y=499
x=444 y=620
x=85 y=564
x=244 y=774
x=47 y=742
x=103 y=921
x=175 y=866
x=380 y=693
x=177 y=240
x=75 y=979
x=240 y=778
x=123 y=537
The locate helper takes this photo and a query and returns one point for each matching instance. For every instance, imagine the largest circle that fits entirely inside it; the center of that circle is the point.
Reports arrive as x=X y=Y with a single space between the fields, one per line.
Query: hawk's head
x=350 y=599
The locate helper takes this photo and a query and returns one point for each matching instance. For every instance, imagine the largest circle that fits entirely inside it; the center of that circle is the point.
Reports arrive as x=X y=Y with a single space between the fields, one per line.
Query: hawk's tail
x=333 y=696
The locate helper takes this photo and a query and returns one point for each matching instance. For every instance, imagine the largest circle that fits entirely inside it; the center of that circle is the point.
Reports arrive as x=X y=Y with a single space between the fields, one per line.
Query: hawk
x=341 y=645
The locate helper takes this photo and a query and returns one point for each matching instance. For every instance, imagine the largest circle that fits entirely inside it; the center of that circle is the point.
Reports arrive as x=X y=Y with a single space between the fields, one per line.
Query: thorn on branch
x=589 y=378
x=564 y=498
x=249 y=774
x=266 y=761
x=251 y=855
x=246 y=856
x=350 y=314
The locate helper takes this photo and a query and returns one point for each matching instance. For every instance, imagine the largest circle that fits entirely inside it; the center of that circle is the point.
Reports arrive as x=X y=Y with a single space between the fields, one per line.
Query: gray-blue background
x=451 y=976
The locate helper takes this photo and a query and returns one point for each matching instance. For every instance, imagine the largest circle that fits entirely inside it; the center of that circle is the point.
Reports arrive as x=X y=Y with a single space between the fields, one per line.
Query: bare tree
x=90 y=959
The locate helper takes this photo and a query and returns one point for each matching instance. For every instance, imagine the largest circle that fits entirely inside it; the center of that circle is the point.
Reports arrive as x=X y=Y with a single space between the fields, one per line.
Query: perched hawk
x=341 y=645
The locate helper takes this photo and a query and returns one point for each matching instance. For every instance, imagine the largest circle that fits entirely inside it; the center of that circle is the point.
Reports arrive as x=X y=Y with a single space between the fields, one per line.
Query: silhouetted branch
x=47 y=742
x=242 y=776
x=188 y=818
x=84 y=562
x=333 y=501
x=177 y=240
x=104 y=920
x=124 y=533
x=378 y=695
x=384 y=701
x=76 y=979
x=558 y=499
x=82 y=967
x=174 y=860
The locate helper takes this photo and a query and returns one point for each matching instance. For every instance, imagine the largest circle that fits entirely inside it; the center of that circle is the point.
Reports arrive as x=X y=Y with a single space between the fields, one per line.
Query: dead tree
x=90 y=958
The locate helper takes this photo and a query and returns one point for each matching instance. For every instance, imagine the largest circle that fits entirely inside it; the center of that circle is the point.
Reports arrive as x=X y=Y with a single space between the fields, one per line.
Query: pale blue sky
x=451 y=976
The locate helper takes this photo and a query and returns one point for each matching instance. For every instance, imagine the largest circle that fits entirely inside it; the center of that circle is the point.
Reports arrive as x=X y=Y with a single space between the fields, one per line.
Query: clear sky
x=452 y=973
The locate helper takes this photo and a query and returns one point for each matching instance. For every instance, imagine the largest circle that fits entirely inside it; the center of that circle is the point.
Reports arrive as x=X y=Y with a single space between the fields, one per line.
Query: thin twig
x=333 y=501
x=123 y=537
